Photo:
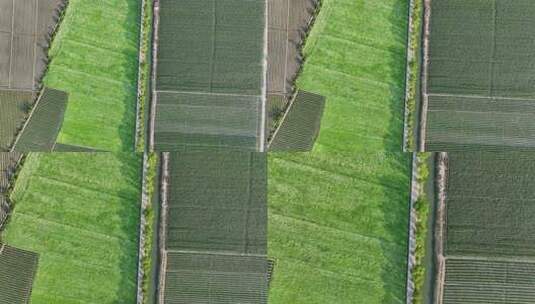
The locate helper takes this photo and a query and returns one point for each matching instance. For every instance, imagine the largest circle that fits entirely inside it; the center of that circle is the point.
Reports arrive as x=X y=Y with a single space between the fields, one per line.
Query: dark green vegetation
x=14 y=108
x=300 y=126
x=148 y=261
x=489 y=282
x=211 y=46
x=72 y=148
x=25 y=28
x=17 y=271
x=80 y=213
x=489 y=204
x=209 y=191
x=338 y=227
x=490 y=240
x=215 y=50
x=288 y=20
x=94 y=59
x=215 y=232
x=43 y=125
x=481 y=75
x=459 y=123
x=361 y=73
x=145 y=62
x=422 y=207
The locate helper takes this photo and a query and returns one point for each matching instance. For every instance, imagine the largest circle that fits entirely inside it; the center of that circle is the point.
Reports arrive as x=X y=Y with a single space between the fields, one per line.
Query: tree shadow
x=398 y=16
x=126 y=129
x=131 y=172
x=396 y=211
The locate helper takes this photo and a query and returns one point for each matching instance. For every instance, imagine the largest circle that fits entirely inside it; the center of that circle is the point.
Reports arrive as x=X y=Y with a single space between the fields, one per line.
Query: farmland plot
x=361 y=73
x=490 y=204
x=338 y=227
x=211 y=53
x=17 y=272
x=215 y=228
x=94 y=59
x=481 y=75
x=42 y=128
x=80 y=213
x=489 y=240
x=288 y=21
x=25 y=28
x=300 y=126
x=338 y=216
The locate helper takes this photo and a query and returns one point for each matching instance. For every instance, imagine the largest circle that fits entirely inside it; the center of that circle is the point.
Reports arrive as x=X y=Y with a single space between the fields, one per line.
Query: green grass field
x=80 y=213
x=338 y=216
x=355 y=57
x=94 y=59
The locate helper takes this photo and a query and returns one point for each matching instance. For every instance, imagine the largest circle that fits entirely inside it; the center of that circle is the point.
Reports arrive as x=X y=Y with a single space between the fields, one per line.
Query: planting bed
x=25 y=29
x=42 y=128
x=210 y=51
x=489 y=241
x=481 y=75
x=215 y=233
x=300 y=126
x=17 y=271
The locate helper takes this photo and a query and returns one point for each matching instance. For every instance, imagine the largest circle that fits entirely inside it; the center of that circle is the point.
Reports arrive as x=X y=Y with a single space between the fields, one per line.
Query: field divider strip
x=9 y=77
x=142 y=220
x=89 y=232
x=263 y=97
x=411 y=242
x=424 y=76
x=511 y=259
x=141 y=58
x=154 y=66
x=440 y=225
x=163 y=226
x=212 y=252
x=480 y=97
x=34 y=60
x=206 y=93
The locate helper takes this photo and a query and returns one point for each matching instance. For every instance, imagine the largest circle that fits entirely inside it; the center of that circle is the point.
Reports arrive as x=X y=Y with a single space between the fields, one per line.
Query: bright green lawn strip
x=347 y=216
x=86 y=238
x=94 y=59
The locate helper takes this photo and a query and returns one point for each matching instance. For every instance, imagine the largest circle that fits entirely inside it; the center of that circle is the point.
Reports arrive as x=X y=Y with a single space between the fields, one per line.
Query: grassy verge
x=148 y=212
x=144 y=74
x=413 y=70
x=80 y=212
x=421 y=206
x=94 y=59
